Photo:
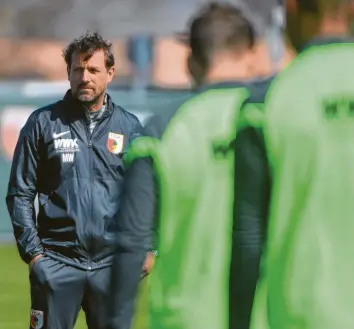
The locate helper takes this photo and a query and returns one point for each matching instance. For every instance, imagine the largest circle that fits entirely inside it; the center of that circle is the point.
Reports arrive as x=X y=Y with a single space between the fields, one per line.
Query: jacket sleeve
x=135 y=236
x=252 y=191
x=22 y=191
x=137 y=130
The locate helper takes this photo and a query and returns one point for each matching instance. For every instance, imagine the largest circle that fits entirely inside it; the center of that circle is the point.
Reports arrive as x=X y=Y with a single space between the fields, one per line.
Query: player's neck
x=332 y=26
x=228 y=70
x=263 y=64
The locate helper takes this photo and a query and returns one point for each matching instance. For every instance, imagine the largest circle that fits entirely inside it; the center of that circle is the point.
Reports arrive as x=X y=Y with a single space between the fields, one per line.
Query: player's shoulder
x=157 y=124
x=252 y=109
x=192 y=104
x=257 y=93
x=258 y=89
x=311 y=68
x=159 y=121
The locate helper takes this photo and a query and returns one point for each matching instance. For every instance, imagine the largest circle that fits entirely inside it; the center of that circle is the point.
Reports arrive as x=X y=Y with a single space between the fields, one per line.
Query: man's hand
x=148 y=263
x=34 y=260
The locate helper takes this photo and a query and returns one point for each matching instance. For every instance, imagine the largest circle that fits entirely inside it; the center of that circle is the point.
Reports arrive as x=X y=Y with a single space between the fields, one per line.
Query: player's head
x=310 y=18
x=220 y=39
x=268 y=18
x=90 y=65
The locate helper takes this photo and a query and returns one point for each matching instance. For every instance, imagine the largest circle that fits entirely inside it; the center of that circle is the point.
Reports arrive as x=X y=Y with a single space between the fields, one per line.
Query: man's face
x=89 y=77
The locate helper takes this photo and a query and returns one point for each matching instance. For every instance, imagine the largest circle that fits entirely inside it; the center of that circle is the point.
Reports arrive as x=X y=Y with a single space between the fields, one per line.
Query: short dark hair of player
x=217 y=27
x=318 y=6
x=88 y=44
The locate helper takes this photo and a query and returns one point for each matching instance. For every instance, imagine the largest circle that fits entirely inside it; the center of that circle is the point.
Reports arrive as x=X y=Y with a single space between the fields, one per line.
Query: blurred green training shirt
x=309 y=133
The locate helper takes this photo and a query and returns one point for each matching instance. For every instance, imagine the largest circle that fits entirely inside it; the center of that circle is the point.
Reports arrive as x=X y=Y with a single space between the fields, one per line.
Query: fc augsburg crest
x=115 y=143
x=36 y=319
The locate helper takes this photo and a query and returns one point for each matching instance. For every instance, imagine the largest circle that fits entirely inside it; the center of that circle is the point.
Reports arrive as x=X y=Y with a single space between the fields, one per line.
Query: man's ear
x=111 y=73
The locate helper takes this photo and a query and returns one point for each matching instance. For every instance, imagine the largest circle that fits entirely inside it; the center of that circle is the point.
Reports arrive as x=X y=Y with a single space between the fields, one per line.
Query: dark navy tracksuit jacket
x=78 y=178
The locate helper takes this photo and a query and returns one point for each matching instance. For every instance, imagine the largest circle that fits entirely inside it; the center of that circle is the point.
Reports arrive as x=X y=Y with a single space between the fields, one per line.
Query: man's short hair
x=217 y=27
x=88 y=44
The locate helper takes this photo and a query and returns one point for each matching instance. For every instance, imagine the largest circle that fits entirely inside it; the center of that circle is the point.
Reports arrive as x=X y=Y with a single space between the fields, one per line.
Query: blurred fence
x=114 y=18
x=165 y=58
x=19 y=99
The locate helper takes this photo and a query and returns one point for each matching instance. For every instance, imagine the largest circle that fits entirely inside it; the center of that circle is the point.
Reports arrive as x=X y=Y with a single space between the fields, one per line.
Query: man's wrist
x=34 y=259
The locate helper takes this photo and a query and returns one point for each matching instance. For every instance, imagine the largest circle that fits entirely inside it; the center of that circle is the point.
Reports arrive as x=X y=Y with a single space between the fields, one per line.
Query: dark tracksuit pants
x=59 y=291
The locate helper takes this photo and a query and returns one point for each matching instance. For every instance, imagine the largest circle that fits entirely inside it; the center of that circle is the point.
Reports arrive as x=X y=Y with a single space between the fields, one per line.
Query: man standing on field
x=70 y=154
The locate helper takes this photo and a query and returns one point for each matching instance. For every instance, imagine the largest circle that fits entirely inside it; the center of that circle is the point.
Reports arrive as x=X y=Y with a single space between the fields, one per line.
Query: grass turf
x=15 y=297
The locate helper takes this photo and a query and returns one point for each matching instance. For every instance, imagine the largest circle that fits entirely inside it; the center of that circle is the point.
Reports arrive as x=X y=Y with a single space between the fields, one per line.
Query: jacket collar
x=80 y=108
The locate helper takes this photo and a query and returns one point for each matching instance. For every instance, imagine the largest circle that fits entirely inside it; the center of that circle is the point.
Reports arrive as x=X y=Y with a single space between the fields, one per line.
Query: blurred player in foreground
x=186 y=174
x=309 y=132
x=70 y=154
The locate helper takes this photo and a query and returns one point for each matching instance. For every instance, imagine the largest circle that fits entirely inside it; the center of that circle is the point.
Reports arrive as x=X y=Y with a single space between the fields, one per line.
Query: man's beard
x=88 y=100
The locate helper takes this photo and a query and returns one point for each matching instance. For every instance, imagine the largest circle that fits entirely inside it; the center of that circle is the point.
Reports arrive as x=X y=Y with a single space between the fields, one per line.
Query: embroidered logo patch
x=36 y=319
x=115 y=143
